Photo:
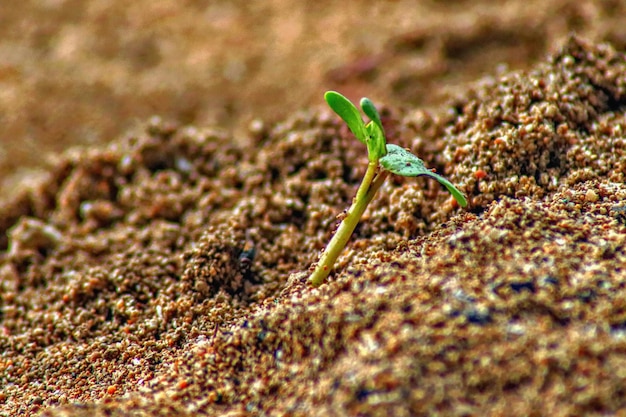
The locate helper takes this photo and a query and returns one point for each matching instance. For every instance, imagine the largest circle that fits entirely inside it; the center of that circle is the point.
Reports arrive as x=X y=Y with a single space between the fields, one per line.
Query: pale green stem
x=367 y=180
x=366 y=192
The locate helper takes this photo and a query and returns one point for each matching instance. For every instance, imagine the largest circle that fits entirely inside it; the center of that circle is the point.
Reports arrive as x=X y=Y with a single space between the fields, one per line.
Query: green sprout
x=383 y=159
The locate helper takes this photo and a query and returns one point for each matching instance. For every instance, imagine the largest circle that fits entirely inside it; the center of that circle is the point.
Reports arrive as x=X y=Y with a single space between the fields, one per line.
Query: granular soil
x=127 y=286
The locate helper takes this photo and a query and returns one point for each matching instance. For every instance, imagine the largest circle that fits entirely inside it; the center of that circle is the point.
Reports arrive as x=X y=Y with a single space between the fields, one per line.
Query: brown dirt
x=123 y=291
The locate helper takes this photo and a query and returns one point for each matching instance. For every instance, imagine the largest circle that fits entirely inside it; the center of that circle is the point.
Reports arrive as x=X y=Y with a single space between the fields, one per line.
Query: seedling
x=383 y=159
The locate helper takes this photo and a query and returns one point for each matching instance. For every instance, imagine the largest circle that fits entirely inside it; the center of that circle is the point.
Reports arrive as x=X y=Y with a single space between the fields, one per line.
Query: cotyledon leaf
x=348 y=112
x=399 y=161
x=370 y=110
x=376 y=146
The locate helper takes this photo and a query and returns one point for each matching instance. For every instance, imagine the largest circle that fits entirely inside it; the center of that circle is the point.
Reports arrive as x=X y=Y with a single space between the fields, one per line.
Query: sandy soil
x=123 y=291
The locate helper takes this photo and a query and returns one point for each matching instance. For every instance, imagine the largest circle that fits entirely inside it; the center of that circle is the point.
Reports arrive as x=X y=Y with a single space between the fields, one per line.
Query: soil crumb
x=164 y=274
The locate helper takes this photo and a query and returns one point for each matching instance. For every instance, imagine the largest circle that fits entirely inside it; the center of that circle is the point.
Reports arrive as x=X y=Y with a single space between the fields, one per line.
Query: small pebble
x=591 y=196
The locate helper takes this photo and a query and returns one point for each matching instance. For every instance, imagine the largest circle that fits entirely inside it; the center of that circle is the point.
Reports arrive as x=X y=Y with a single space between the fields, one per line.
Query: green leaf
x=402 y=162
x=348 y=112
x=399 y=161
x=376 y=145
x=370 y=110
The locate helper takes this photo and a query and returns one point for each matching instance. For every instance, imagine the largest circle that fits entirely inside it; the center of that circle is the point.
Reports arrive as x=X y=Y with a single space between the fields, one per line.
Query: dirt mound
x=163 y=274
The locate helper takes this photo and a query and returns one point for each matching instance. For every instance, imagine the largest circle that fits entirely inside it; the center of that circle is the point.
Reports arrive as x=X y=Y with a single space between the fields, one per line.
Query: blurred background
x=77 y=72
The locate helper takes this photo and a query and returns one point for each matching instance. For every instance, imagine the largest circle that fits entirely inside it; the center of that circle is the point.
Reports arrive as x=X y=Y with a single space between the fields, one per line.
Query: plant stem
x=366 y=192
x=365 y=184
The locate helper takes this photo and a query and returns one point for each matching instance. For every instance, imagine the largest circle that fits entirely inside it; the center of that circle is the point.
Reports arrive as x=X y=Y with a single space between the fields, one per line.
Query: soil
x=163 y=272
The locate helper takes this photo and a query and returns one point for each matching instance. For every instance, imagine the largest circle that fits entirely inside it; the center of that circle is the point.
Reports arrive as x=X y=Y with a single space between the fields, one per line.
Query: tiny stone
x=591 y=196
